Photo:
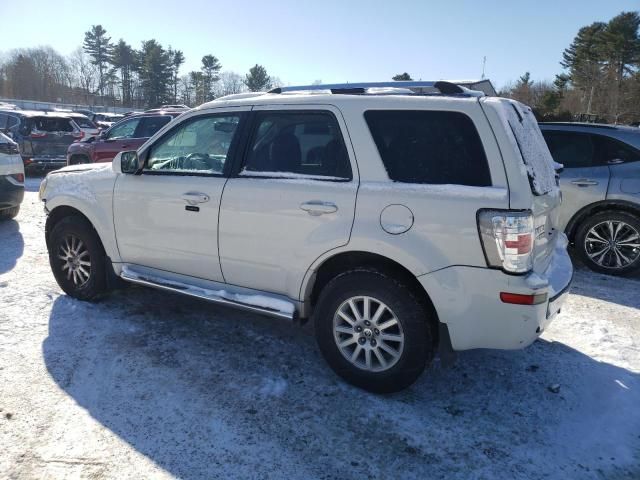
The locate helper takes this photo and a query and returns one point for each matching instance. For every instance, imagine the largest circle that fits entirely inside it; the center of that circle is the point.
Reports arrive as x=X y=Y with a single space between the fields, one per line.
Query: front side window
x=297 y=143
x=123 y=130
x=431 y=147
x=198 y=146
x=572 y=150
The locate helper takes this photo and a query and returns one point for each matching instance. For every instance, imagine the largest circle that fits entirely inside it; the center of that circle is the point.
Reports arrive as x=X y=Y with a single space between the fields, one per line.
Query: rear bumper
x=467 y=300
x=11 y=195
x=45 y=162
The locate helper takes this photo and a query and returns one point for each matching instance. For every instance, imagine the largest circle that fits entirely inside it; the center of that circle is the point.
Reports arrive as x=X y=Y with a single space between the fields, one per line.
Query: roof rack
x=443 y=87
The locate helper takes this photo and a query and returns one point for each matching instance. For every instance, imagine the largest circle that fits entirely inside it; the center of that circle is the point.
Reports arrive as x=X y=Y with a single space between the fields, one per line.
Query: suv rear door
x=292 y=200
x=585 y=177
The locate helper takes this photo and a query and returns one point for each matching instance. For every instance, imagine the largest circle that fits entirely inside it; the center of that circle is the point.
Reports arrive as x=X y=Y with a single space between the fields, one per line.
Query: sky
x=334 y=40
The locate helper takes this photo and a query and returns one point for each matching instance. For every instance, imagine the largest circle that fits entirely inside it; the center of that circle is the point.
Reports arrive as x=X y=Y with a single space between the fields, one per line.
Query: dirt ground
x=150 y=385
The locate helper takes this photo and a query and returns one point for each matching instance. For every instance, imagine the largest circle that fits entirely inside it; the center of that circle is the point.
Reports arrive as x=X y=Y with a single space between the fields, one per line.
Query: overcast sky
x=333 y=41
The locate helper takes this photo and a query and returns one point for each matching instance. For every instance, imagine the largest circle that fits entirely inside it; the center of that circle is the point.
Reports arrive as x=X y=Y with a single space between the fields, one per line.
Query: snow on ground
x=150 y=385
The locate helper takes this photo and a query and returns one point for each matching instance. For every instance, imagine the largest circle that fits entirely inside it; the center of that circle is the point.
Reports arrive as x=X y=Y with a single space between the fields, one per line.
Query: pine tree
x=123 y=58
x=155 y=73
x=177 y=59
x=402 y=77
x=98 y=46
x=210 y=68
x=257 y=79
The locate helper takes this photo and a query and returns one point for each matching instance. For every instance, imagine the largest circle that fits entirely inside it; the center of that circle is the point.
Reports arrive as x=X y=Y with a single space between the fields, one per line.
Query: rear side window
x=51 y=124
x=614 y=151
x=150 y=125
x=572 y=150
x=431 y=147
x=84 y=122
x=308 y=143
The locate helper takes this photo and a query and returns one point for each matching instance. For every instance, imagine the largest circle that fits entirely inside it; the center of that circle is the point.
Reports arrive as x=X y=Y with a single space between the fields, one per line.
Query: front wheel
x=373 y=331
x=77 y=258
x=609 y=242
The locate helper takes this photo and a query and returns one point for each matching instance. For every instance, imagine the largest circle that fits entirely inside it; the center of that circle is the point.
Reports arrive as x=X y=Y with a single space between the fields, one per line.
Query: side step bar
x=266 y=304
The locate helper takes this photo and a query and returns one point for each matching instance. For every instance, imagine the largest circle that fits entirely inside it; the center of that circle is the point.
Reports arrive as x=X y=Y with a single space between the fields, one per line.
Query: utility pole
x=484 y=64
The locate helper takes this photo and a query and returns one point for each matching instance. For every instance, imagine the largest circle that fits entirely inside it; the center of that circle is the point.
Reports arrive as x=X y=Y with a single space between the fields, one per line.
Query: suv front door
x=585 y=177
x=166 y=218
x=292 y=200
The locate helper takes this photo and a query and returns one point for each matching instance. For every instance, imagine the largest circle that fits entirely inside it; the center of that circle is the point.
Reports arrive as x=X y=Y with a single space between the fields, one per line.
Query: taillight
x=507 y=239
x=18 y=177
x=38 y=134
x=78 y=135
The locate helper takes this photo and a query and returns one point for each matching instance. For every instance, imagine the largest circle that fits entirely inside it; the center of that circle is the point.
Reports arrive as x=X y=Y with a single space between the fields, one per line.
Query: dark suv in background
x=42 y=137
x=127 y=134
x=600 y=183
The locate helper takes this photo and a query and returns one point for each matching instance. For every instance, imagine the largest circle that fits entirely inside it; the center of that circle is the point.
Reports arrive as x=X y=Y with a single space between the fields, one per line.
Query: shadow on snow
x=208 y=392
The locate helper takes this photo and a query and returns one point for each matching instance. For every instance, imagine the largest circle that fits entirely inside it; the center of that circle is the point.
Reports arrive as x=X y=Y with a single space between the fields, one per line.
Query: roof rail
x=446 y=88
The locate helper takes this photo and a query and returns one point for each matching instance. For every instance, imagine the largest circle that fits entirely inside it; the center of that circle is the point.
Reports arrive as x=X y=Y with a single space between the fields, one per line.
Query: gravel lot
x=151 y=385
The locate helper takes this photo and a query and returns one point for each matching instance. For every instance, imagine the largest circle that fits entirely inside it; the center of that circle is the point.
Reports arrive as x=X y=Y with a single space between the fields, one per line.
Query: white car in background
x=86 y=126
x=11 y=178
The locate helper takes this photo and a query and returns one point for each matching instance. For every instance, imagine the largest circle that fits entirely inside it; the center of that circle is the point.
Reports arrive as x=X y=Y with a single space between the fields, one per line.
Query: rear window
x=523 y=131
x=430 y=147
x=84 y=122
x=51 y=124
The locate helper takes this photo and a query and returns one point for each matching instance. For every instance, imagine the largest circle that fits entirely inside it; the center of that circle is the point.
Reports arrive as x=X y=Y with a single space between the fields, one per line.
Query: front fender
x=91 y=193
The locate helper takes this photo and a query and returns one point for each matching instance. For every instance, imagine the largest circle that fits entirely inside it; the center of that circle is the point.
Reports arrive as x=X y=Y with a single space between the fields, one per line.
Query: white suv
x=401 y=223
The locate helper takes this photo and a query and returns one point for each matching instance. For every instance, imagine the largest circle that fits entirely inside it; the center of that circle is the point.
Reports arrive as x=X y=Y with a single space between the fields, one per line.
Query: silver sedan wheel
x=613 y=244
x=76 y=262
x=368 y=334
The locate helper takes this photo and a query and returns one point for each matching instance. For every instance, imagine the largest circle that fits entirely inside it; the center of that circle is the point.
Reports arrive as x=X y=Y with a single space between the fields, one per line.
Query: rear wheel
x=373 y=331
x=9 y=213
x=77 y=258
x=609 y=242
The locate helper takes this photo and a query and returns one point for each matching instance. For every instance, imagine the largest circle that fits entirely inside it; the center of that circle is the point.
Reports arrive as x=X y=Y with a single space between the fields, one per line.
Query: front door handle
x=318 y=207
x=584 y=182
x=193 y=198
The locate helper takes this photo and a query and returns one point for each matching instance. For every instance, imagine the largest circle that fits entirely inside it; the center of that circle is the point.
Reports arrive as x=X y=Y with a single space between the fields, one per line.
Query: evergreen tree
x=155 y=73
x=98 y=46
x=257 y=79
x=402 y=77
x=210 y=68
x=123 y=58
x=177 y=59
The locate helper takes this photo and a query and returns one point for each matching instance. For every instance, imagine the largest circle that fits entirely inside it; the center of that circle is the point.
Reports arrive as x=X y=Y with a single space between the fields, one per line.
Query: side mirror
x=103 y=134
x=126 y=162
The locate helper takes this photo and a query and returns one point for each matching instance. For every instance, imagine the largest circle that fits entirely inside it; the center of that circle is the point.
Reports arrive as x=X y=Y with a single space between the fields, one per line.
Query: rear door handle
x=318 y=207
x=193 y=198
x=584 y=182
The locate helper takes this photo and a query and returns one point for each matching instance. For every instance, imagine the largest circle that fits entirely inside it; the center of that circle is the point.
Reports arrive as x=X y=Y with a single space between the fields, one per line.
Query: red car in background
x=128 y=134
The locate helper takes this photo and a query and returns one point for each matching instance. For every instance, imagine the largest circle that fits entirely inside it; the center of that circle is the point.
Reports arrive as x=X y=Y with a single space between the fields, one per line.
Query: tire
x=413 y=353
x=9 y=213
x=88 y=281
x=615 y=233
x=77 y=160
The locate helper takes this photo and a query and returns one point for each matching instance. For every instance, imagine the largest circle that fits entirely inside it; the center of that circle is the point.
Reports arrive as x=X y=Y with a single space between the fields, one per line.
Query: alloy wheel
x=75 y=259
x=613 y=244
x=368 y=333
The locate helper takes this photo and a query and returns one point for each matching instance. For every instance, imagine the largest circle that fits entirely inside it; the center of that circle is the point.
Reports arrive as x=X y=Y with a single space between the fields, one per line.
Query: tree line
x=600 y=80
x=102 y=72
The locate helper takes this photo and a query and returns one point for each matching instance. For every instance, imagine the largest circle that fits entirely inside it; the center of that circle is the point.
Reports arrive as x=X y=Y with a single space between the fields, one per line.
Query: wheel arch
x=598 y=207
x=354 y=260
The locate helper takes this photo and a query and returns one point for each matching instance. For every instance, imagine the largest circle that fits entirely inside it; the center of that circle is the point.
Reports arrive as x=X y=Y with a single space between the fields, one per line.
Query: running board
x=266 y=304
